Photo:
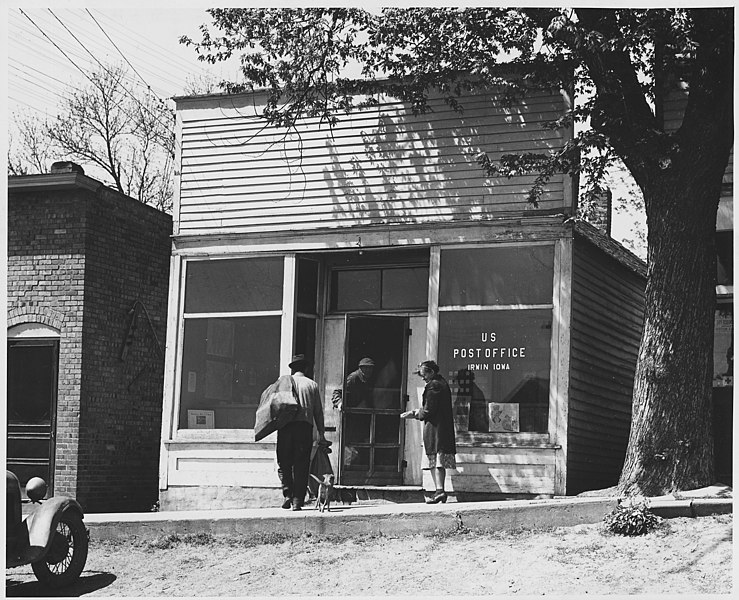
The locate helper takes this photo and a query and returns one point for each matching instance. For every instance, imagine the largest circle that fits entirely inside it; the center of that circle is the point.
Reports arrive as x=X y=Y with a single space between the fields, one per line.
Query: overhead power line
x=183 y=63
x=121 y=53
x=27 y=44
x=123 y=87
x=57 y=47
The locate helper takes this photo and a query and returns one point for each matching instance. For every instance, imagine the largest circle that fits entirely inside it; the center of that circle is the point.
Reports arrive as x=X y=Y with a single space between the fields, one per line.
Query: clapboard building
x=383 y=238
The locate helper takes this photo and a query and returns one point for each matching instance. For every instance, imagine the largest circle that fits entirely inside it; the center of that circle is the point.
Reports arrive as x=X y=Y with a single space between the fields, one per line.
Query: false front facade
x=382 y=238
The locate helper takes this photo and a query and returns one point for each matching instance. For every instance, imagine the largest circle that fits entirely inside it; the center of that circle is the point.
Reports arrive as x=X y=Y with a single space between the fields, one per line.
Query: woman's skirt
x=440 y=459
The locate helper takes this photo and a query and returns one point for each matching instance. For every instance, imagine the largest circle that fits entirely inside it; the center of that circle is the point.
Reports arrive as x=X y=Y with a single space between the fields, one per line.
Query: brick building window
x=231 y=346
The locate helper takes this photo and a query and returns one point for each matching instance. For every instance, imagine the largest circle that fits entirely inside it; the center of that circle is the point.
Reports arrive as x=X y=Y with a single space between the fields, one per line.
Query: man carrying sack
x=295 y=438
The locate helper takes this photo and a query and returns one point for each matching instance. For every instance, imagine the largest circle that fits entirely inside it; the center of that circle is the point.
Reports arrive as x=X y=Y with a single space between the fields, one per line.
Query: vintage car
x=53 y=539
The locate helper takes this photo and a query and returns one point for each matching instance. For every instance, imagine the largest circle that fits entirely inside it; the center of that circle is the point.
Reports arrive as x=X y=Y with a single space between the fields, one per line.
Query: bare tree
x=196 y=85
x=128 y=136
x=29 y=148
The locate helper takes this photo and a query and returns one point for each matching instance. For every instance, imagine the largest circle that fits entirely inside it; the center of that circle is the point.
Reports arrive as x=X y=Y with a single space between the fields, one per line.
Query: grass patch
x=172 y=540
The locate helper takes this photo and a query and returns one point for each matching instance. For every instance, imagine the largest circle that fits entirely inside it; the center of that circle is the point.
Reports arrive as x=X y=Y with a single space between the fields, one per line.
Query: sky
x=50 y=46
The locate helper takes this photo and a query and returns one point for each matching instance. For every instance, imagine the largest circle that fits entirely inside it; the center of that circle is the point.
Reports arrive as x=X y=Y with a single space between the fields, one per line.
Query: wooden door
x=32 y=390
x=371 y=428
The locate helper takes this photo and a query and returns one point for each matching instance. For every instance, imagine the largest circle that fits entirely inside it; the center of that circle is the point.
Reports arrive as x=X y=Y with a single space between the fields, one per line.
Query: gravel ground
x=682 y=556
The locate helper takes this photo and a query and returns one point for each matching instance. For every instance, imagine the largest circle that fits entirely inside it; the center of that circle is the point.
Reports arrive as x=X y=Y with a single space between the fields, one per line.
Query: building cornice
x=52 y=181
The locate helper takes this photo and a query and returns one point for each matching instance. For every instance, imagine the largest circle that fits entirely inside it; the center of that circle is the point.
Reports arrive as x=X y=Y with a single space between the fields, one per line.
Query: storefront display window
x=497 y=276
x=495 y=330
x=723 y=346
x=497 y=365
x=228 y=360
x=215 y=286
x=225 y=369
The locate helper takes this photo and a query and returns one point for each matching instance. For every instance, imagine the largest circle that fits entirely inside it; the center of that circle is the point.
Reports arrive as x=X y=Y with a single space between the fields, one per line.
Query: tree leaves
x=318 y=62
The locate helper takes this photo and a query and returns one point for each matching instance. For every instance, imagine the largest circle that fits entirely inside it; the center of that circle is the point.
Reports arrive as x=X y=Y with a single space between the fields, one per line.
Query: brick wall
x=79 y=260
x=126 y=287
x=46 y=285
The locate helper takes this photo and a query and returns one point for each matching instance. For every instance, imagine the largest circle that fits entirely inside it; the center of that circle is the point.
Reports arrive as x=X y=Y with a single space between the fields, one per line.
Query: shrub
x=632 y=517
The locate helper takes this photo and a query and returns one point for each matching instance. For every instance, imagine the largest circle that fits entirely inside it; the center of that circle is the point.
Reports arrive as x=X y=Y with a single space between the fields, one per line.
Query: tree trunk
x=671 y=440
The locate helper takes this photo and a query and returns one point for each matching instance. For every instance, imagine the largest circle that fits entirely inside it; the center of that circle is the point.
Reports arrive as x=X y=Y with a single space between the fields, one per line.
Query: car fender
x=41 y=525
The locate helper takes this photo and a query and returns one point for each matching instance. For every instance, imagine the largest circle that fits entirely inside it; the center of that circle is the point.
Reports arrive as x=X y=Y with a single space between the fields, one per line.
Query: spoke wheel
x=66 y=558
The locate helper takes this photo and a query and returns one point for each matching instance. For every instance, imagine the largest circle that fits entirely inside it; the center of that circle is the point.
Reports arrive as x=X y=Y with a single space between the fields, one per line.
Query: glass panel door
x=32 y=389
x=373 y=398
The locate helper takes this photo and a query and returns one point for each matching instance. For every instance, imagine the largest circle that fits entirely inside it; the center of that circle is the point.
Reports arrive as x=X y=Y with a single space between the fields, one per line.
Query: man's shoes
x=287 y=503
x=296 y=504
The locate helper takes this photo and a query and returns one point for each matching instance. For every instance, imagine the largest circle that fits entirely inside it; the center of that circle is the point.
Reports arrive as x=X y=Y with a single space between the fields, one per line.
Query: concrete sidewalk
x=346 y=520
x=394 y=519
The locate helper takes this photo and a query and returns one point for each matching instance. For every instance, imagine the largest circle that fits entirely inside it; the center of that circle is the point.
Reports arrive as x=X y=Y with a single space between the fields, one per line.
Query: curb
x=390 y=520
x=702 y=507
x=386 y=520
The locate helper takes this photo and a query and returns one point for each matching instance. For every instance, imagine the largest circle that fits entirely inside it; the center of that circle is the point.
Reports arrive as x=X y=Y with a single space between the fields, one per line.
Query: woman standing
x=438 y=426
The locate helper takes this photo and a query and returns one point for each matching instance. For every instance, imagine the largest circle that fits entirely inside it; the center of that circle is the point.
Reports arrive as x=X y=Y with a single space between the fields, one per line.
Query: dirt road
x=683 y=556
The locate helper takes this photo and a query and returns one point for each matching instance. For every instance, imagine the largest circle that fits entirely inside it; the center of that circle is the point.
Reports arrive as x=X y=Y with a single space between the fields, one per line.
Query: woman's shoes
x=440 y=496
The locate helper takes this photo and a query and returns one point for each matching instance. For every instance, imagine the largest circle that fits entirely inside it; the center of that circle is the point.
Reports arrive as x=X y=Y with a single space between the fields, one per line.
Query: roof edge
x=611 y=247
x=51 y=181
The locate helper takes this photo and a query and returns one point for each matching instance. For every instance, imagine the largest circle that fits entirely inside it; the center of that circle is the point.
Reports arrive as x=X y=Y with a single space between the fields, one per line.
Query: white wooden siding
x=501 y=470
x=222 y=464
x=379 y=165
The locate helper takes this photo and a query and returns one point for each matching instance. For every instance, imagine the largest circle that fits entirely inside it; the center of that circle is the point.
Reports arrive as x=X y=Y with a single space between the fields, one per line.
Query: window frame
x=497 y=439
x=381 y=267
x=287 y=314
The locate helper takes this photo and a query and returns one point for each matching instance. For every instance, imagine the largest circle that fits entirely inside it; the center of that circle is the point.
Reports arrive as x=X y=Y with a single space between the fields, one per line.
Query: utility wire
x=27 y=68
x=123 y=55
x=29 y=46
x=123 y=87
x=57 y=47
x=196 y=65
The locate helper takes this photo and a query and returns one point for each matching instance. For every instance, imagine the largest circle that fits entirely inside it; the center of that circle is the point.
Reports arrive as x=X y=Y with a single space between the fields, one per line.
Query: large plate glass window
x=495 y=329
x=231 y=347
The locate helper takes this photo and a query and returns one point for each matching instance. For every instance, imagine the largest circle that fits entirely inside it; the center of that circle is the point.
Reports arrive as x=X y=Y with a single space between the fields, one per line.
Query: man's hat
x=298 y=360
x=366 y=362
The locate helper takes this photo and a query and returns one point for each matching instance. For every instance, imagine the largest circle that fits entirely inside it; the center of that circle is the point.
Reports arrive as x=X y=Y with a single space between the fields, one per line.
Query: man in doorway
x=295 y=439
x=360 y=384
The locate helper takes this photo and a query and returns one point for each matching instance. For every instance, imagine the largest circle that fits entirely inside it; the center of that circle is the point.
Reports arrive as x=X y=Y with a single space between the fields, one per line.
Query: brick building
x=87 y=298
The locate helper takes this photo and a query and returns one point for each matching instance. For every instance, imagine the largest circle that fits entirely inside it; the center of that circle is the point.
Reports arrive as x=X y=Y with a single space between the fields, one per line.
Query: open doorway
x=371 y=431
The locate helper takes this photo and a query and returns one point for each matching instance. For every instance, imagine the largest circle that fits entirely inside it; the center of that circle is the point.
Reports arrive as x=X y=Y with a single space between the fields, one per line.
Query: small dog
x=325 y=491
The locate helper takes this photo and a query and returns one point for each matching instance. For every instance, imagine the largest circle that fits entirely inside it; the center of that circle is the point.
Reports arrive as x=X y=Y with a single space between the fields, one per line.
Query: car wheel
x=67 y=555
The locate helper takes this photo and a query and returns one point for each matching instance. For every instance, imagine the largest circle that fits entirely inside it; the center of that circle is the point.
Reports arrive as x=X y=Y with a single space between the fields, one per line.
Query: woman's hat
x=427 y=364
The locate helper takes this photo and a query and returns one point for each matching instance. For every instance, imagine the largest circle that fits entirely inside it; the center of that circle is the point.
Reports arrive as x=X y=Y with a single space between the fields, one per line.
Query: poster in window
x=723 y=347
x=219 y=380
x=220 y=340
x=503 y=418
x=200 y=419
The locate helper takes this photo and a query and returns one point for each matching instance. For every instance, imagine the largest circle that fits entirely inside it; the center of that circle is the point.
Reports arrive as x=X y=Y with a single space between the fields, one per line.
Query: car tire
x=63 y=563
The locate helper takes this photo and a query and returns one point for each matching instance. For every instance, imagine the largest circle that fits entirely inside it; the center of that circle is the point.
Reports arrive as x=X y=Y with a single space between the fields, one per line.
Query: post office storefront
x=493 y=314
